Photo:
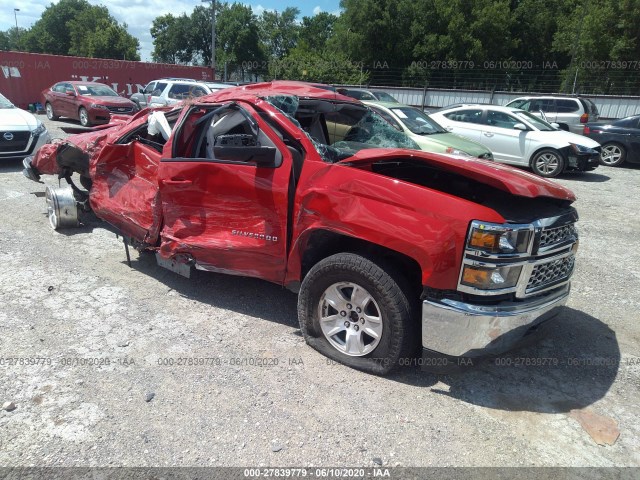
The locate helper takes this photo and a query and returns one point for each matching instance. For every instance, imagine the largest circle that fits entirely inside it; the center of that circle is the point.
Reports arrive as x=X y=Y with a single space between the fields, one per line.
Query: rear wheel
x=84 y=117
x=547 y=163
x=355 y=312
x=50 y=114
x=613 y=154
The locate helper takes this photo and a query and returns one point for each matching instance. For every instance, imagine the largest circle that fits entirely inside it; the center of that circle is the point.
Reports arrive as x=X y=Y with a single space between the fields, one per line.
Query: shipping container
x=24 y=76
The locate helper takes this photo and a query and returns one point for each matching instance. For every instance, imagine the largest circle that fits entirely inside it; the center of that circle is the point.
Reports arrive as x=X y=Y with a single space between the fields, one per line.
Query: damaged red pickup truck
x=391 y=249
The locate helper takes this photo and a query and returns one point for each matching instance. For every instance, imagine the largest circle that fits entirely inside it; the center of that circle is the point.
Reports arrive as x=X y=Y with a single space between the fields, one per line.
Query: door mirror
x=261 y=156
x=70 y=93
x=140 y=89
x=555 y=125
x=520 y=126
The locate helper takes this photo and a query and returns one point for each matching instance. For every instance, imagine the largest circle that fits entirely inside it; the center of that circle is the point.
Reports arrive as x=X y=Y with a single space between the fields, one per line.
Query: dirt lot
x=105 y=393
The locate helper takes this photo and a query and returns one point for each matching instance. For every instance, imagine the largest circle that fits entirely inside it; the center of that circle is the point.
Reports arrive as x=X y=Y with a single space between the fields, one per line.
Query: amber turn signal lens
x=485 y=240
x=476 y=277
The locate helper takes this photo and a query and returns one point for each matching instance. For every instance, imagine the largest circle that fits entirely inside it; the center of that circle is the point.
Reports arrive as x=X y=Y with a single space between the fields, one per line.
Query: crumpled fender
x=45 y=159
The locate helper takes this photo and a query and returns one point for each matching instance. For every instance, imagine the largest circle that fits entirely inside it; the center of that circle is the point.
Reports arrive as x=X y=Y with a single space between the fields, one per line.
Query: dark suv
x=570 y=113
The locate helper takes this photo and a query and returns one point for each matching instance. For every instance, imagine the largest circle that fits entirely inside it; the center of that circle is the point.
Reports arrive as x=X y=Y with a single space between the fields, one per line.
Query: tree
x=75 y=27
x=188 y=39
x=238 y=43
x=324 y=67
x=95 y=33
x=316 y=31
x=12 y=39
x=279 y=31
x=592 y=35
x=171 y=39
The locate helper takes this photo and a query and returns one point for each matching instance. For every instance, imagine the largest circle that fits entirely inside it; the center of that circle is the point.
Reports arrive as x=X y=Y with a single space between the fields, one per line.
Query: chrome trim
x=494 y=227
x=534 y=257
x=462 y=329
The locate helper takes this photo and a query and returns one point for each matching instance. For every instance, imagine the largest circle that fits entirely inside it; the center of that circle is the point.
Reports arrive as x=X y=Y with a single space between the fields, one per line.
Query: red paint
x=233 y=217
x=79 y=95
x=23 y=76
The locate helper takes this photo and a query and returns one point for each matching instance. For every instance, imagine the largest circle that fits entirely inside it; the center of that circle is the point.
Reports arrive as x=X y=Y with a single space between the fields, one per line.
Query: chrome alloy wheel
x=84 y=117
x=350 y=319
x=611 y=154
x=547 y=163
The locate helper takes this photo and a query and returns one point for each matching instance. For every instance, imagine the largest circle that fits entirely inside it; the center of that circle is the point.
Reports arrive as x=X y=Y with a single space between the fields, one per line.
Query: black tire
x=83 y=116
x=613 y=154
x=399 y=329
x=548 y=163
x=49 y=110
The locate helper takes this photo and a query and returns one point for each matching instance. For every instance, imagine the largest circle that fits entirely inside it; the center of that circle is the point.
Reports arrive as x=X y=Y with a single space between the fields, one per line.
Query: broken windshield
x=340 y=129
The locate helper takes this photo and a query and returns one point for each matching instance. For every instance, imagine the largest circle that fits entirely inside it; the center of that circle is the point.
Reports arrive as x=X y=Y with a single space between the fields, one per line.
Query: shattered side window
x=288 y=106
x=375 y=131
x=339 y=130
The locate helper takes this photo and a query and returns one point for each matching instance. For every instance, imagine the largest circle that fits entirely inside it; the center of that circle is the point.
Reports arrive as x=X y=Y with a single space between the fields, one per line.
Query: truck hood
x=503 y=177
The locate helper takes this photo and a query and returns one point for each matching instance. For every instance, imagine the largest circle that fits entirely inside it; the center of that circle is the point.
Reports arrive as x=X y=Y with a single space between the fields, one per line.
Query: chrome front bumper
x=465 y=330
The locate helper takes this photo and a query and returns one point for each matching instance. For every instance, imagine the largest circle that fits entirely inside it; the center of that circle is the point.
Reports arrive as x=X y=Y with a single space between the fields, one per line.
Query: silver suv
x=570 y=113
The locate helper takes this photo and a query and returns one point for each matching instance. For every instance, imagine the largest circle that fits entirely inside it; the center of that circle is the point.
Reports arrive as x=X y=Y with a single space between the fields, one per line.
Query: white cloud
x=317 y=10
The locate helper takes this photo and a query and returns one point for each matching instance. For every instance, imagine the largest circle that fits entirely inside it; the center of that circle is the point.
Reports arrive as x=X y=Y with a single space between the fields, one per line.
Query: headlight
x=455 y=151
x=581 y=149
x=39 y=130
x=499 y=239
x=103 y=107
x=490 y=278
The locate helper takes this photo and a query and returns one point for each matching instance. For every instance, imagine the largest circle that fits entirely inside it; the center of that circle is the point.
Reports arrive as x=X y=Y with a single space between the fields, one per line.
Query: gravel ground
x=69 y=297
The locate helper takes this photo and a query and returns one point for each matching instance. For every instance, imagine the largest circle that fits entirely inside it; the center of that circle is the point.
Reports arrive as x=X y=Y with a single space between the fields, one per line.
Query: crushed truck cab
x=390 y=248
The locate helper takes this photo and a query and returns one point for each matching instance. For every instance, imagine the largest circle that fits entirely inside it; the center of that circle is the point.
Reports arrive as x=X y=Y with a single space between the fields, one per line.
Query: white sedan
x=21 y=134
x=519 y=138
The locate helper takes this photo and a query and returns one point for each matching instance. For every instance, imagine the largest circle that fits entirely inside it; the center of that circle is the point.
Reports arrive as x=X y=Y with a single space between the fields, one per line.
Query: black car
x=620 y=140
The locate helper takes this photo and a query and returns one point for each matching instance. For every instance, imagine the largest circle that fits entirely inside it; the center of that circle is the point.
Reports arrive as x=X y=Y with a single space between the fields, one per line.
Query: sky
x=138 y=14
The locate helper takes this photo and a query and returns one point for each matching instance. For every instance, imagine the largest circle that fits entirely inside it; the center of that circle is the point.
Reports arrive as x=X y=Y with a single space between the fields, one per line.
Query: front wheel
x=547 y=163
x=355 y=312
x=612 y=154
x=84 y=117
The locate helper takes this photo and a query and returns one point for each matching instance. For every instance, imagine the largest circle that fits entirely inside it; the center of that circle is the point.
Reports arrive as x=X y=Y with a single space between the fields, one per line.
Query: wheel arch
x=561 y=150
x=321 y=243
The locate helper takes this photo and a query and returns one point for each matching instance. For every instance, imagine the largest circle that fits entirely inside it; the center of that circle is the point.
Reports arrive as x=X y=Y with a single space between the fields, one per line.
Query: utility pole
x=213 y=36
x=15 y=15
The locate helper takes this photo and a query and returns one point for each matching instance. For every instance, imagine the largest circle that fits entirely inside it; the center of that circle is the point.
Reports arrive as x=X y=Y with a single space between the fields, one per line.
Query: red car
x=391 y=248
x=90 y=102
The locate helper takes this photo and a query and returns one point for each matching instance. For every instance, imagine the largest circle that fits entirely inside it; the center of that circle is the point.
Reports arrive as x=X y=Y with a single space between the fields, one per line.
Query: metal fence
x=609 y=106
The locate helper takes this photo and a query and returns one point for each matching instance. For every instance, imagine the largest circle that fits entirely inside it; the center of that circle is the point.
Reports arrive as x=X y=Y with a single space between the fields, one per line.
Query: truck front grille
x=545 y=274
x=553 y=236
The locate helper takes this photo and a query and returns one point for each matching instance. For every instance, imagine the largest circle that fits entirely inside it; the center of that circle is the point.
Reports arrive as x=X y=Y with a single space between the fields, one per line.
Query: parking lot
x=141 y=367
